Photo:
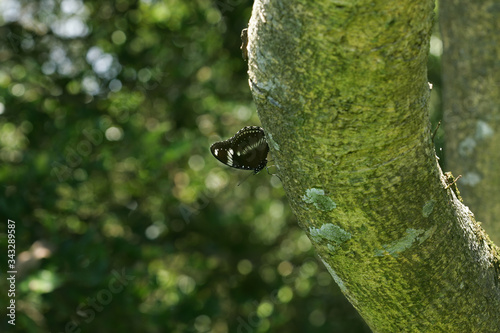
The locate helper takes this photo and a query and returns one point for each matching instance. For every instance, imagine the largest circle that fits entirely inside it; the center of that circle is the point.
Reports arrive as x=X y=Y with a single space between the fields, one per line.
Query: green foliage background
x=107 y=110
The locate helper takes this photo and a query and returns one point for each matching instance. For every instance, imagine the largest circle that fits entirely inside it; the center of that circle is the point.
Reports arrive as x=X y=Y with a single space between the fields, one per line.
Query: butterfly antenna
x=245 y=178
x=435 y=131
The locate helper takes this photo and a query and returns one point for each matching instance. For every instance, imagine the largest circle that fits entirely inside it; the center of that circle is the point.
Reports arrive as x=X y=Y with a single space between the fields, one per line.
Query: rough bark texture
x=342 y=93
x=471 y=99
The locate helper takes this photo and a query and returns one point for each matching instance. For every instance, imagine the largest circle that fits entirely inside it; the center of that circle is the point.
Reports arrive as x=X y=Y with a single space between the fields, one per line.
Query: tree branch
x=471 y=103
x=341 y=89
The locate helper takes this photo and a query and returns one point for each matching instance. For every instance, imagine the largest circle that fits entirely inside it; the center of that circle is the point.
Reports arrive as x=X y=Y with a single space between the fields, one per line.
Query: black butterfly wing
x=250 y=149
x=220 y=152
x=247 y=149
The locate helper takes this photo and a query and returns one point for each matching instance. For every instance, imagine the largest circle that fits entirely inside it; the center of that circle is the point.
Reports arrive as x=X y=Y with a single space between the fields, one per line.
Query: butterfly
x=247 y=149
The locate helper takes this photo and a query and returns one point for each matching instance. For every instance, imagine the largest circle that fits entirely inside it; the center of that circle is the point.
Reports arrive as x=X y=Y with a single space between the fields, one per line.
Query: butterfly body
x=247 y=149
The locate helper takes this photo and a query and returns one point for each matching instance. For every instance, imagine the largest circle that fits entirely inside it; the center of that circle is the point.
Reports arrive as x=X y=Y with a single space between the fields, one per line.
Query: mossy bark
x=342 y=93
x=471 y=99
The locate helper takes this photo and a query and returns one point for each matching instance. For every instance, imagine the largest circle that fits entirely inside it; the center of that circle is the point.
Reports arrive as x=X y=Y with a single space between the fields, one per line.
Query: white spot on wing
x=230 y=156
x=251 y=147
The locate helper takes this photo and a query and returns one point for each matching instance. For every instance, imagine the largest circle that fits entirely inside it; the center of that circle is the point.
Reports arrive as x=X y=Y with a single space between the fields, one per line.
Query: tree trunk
x=471 y=99
x=341 y=89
